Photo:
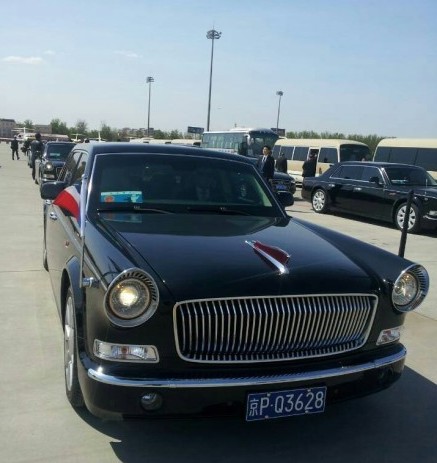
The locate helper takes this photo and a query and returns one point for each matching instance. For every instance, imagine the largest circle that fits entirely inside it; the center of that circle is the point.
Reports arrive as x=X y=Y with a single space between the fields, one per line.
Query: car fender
x=72 y=278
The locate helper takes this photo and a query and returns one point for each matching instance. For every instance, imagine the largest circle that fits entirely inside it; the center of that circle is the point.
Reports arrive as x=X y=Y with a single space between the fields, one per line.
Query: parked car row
x=376 y=190
x=183 y=287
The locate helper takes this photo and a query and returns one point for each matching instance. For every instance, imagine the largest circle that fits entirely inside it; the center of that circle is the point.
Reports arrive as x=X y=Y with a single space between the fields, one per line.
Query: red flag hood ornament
x=276 y=256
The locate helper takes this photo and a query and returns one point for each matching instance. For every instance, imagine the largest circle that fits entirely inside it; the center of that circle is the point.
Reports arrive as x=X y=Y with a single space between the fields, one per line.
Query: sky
x=349 y=66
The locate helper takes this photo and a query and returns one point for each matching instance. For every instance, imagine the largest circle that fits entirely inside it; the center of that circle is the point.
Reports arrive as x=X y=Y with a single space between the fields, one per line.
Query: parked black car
x=184 y=288
x=48 y=167
x=376 y=190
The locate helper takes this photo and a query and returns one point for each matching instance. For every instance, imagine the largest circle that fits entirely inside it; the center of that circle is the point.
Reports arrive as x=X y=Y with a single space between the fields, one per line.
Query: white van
x=328 y=151
x=416 y=151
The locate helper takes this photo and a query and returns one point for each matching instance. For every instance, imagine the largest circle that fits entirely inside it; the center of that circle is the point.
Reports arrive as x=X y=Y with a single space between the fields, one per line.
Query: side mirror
x=285 y=198
x=51 y=190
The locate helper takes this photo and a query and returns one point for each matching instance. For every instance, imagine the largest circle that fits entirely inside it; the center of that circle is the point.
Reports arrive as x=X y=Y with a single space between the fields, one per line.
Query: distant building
x=7 y=127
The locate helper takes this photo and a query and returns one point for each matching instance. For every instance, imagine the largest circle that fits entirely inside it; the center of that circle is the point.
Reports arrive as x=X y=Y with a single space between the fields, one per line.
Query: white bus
x=240 y=140
x=328 y=152
x=416 y=151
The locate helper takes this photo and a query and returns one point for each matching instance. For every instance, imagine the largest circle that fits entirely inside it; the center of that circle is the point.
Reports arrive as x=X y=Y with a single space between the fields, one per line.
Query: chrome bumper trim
x=189 y=383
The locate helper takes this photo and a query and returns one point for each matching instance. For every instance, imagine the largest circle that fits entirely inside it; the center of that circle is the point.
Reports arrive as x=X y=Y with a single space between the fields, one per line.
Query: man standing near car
x=14 y=147
x=36 y=148
x=266 y=164
x=309 y=166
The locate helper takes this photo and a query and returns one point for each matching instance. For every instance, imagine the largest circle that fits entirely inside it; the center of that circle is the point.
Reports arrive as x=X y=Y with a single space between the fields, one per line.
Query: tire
x=319 y=201
x=413 y=220
x=72 y=386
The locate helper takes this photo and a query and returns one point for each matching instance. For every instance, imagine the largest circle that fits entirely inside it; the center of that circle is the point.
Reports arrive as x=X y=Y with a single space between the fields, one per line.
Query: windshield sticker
x=121 y=197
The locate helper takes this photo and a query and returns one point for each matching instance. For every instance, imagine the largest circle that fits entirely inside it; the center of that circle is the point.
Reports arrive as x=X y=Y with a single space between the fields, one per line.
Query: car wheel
x=72 y=386
x=413 y=219
x=319 y=201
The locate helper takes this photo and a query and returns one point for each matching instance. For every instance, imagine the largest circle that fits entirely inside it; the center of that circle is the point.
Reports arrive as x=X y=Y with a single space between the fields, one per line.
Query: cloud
x=23 y=59
x=127 y=54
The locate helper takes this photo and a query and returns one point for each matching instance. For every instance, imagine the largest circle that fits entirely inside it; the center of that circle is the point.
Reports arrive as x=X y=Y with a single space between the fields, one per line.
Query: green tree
x=81 y=127
x=28 y=124
x=59 y=127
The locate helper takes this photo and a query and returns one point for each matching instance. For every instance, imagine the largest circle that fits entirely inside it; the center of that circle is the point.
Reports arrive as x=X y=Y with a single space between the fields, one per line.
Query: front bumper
x=114 y=397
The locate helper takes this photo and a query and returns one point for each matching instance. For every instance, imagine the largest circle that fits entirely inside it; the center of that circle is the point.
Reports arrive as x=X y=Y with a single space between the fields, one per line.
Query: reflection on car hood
x=200 y=256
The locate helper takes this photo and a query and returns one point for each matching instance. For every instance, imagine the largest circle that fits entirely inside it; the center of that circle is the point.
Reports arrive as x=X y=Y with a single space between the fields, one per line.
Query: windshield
x=352 y=152
x=409 y=176
x=58 y=151
x=178 y=184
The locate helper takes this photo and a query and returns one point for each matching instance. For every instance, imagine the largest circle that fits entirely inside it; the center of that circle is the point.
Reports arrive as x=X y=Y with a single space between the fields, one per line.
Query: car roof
x=132 y=148
x=378 y=164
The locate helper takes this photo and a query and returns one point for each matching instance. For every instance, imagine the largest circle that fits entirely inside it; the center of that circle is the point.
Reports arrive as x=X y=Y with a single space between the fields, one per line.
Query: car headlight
x=132 y=298
x=410 y=288
x=48 y=166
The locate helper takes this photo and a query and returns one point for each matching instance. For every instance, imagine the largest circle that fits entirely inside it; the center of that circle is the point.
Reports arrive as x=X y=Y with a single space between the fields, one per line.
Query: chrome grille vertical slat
x=272 y=328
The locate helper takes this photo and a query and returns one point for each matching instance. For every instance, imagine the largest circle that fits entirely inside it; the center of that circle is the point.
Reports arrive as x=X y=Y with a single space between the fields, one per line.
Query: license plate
x=279 y=404
x=281 y=187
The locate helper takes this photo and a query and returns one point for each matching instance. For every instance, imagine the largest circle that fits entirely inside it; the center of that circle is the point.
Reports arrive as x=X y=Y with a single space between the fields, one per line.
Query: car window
x=58 y=151
x=349 y=172
x=409 y=176
x=370 y=173
x=175 y=182
x=328 y=155
x=73 y=168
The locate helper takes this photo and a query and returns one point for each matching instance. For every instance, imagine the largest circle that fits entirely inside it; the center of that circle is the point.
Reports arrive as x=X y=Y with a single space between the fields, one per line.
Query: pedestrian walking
x=14 y=148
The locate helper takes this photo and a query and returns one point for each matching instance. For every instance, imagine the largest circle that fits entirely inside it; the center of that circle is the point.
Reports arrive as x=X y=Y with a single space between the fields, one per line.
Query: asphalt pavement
x=37 y=423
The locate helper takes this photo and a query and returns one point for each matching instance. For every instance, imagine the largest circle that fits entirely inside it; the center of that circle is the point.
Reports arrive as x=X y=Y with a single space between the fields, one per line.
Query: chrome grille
x=272 y=328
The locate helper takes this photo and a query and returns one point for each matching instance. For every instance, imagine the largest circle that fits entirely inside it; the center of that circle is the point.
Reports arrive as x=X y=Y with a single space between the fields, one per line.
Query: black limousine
x=376 y=190
x=49 y=166
x=184 y=288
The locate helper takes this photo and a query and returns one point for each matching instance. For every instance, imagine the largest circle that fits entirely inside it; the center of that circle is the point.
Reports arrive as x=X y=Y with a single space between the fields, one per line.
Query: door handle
x=53 y=216
x=357 y=188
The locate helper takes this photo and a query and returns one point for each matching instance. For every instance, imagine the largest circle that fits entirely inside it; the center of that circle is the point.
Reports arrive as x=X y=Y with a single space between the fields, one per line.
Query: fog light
x=125 y=352
x=151 y=401
x=432 y=213
x=389 y=335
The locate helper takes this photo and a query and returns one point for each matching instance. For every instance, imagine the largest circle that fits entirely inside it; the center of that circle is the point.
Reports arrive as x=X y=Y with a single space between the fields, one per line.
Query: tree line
x=80 y=129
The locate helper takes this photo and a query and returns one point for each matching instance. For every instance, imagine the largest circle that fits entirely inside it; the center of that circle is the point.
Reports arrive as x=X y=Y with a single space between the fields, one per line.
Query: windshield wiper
x=133 y=209
x=217 y=210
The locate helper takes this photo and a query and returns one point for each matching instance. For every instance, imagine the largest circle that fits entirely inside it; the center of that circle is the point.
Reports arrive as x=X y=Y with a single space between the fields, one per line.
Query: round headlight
x=132 y=298
x=410 y=288
x=49 y=166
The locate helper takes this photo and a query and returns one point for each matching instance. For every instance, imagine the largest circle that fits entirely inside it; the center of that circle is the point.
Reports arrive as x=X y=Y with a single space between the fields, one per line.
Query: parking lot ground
x=37 y=423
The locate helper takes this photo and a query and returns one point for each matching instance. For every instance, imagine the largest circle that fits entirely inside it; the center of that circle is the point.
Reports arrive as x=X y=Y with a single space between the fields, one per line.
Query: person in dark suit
x=281 y=163
x=14 y=147
x=266 y=163
x=309 y=166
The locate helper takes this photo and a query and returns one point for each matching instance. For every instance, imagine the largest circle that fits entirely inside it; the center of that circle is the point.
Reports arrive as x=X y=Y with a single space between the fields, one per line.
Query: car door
x=342 y=186
x=62 y=231
x=368 y=195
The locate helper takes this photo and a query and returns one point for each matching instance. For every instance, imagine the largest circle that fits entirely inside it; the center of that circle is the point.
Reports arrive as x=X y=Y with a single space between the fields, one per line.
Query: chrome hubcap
x=69 y=343
x=318 y=200
x=401 y=217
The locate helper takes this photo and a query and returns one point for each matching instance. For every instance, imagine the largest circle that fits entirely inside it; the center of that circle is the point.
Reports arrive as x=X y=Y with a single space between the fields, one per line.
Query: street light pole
x=279 y=93
x=213 y=35
x=149 y=81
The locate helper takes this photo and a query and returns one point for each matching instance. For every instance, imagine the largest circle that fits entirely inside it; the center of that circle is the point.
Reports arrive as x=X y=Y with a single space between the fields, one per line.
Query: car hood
x=200 y=256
